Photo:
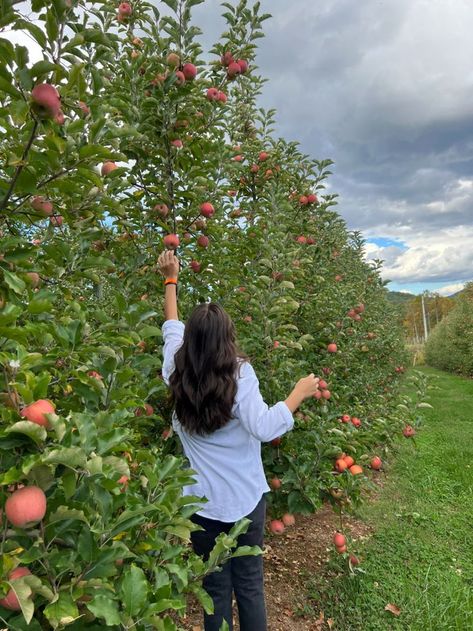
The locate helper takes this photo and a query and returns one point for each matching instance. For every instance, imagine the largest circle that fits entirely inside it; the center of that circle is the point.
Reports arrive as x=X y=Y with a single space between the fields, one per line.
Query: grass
x=420 y=557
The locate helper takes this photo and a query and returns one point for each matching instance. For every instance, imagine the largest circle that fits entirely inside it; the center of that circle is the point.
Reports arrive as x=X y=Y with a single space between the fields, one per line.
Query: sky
x=385 y=89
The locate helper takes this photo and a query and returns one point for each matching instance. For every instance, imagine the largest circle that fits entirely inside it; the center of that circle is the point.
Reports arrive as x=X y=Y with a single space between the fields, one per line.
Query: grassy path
x=420 y=556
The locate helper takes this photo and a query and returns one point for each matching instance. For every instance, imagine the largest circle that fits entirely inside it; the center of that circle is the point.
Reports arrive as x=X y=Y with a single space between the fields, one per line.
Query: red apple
x=332 y=348
x=206 y=209
x=195 y=266
x=42 y=205
x=312 y=199
x=10 y=601
x=303 y=200
x=339 y=540
x=263 y=156
x=226 y=59
x=173 y=59
x=190 y=71
x=124 y=9
x=177 y=143
x=288 y=519
x=222 y=97
x=108 y=167
x=376 y=463
x=35 y=412
x=161 y=209
x=275 y=483
x=26 y=506
x=171 y=241
x=203 y=241
x=276 y=526
x=243 y=65
x=147 y=411
x=46 y=100
x=212 y=94
x=301 y=239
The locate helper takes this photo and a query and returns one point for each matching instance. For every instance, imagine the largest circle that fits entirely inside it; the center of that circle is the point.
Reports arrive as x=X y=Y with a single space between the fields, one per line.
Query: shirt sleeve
x=260 y=420
x=173 y=333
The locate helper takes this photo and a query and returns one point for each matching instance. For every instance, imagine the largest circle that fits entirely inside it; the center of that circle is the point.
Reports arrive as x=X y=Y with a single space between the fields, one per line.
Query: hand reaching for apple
x=304 y=388
x=168 y=264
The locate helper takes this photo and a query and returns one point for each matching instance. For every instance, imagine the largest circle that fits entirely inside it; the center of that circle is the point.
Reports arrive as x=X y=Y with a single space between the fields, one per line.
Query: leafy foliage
x=80 y=308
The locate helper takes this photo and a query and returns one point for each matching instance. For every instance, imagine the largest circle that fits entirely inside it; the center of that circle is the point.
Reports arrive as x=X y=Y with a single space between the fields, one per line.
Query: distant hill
x=399 y=297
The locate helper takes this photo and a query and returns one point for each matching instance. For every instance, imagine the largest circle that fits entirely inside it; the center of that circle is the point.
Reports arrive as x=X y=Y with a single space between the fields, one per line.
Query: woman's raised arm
x=169 y=265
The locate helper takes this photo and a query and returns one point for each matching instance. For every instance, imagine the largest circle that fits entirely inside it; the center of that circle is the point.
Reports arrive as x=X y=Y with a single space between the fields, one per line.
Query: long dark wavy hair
x=203 y=384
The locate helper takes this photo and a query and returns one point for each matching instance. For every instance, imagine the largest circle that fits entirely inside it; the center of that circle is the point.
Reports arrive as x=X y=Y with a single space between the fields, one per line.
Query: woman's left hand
x=168 y=264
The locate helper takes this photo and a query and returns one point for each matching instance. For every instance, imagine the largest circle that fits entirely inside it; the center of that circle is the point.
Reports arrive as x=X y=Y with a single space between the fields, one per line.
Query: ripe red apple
x=10 y=601
x=326 y=371
x=356 y=421
x=35 y=412
x=276 y=526
x=46 y=100
x=254 y=168
x=243 y=65
x=166 y=433
x=326 y=394
x=222 y=97
x=275 y=483
x=195 y=266
x=190 y=71
x=203 y=241
x=312 y=199
x=42 y=206
x=338 y=278
x=376 y=463
x=173 y=59
x=311 y=241
x=341 y=549
x=108 y=167
x=409 y=431
x=56 y=220
x=288 y=519
x=354 y=560
x=95 y=375
x=346 y=418
x=238 y=158
x=233 y=70
x=349 y=461
x=161 y=209
x=226 y=59
x=360 y=308
x=263 y=155
x=301 y=239
x=147 y=411
x=177 y=143
x=332 y=348
x=341 y=465
x=323 y=384
x=171 y=241
x=212 y=94
x=355 y=469
x=276 y=344
x=206 y=209
x=26 y=506
x=303 y=200
x=125 y=9
x=339 y=540
x=180 y=77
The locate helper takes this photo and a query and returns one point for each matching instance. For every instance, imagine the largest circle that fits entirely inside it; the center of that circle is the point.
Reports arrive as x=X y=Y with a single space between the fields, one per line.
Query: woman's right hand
x=307 y=386
x=304 y=388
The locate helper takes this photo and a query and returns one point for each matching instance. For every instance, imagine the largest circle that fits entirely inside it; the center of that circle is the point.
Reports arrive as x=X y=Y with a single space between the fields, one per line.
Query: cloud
x=448 y=290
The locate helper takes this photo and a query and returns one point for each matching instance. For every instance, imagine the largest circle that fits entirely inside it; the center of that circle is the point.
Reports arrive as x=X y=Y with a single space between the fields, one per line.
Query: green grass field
x=420 y=556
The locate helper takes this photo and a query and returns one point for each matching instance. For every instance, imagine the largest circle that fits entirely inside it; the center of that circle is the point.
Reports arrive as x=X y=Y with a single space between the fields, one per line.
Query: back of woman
x=222 y=419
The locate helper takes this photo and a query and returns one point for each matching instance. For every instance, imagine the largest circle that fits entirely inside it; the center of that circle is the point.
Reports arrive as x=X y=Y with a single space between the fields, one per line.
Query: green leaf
x=34 y=431
x=104 y=606
x=62 y=612
x=63 y=512
x=134 y=590
x=68 y=456
x=14 y=281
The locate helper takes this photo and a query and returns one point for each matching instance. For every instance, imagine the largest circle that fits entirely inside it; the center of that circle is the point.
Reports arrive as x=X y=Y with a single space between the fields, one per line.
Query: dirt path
x=290 y=562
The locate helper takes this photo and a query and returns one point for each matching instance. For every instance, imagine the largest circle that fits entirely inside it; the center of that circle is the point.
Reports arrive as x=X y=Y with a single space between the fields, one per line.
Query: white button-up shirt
x=228 y=465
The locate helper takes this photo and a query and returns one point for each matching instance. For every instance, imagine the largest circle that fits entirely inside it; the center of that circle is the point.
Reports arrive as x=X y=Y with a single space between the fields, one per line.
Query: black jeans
x=243 y=575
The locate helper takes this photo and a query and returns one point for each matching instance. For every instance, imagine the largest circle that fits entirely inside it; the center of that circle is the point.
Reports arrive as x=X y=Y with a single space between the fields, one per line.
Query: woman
x=221 y=420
